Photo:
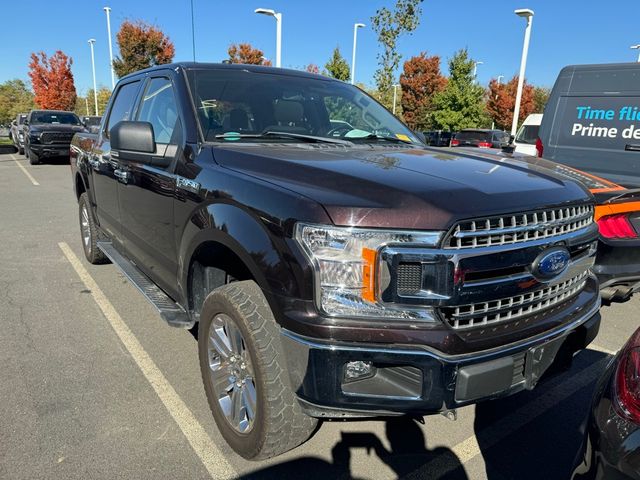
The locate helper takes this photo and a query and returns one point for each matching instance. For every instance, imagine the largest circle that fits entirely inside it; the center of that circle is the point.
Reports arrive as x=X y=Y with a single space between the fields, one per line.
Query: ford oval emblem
x=551 y=263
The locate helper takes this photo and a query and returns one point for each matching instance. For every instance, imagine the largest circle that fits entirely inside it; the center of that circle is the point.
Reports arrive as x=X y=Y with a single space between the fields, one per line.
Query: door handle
x=121 y=175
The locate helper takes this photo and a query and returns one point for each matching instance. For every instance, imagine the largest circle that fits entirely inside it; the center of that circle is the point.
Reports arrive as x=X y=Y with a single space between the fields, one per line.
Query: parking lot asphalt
x=94 y=385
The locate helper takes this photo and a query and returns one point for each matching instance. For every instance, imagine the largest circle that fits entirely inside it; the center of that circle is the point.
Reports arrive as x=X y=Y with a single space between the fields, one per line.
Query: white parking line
x=210 y=455
x=468 y=449
x=29 y=176
x=598 y=348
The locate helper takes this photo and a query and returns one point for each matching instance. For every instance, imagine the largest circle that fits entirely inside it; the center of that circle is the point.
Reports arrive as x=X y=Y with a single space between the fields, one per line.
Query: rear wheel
x=89 y=232
x=244 y=374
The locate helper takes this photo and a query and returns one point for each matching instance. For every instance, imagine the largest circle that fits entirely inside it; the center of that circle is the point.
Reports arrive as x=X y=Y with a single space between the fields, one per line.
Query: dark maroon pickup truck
x=334 y=268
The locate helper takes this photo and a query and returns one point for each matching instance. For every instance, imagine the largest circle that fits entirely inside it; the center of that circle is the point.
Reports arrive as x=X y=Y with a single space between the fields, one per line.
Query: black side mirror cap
x=133 y=137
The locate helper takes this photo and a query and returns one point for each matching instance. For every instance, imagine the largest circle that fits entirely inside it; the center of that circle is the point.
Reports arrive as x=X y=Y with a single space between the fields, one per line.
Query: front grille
x=522 y=227
x=56 y=137
x=496 y=311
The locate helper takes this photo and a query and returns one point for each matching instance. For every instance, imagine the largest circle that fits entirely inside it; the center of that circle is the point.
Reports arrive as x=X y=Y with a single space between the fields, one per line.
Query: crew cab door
x=102 y=179
x=146 y=186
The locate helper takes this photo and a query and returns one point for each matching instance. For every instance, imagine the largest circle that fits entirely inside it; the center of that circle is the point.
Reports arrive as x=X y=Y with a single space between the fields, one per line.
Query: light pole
x=193 y=34
x=636 y=47
x=499 y=77
x=528 y=14
x=278 y=17
x=475 y=70
x=395 y=96
x=493 y=124
x=93 y=67
x=113 y=78
x=356 y=26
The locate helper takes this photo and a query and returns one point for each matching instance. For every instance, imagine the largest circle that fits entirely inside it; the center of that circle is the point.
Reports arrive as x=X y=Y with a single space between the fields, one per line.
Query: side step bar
x=171 y=312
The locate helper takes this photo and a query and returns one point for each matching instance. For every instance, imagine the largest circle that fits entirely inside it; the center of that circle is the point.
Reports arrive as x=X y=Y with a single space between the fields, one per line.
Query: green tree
x=337 y=66
x=15 y=98
x=104 y=94
x=460 y=104
x=540 y=98
x=141 y=46
x=389 y=25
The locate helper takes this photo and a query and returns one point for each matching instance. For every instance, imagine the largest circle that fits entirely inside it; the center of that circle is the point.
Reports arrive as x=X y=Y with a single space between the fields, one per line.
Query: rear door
x=146 y=190
x=103 y=180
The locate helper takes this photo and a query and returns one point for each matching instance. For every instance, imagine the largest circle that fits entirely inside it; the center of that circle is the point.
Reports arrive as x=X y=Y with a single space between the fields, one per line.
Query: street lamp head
x=91 y=41
x=106 y=9
x=359 y=25
x=479 y=63
x=265 y=11
x=524 y=12
x=635 y=46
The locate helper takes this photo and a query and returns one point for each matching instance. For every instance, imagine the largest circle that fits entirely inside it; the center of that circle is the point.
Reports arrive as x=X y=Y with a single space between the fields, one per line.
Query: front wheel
x=89 y=232
x=245 y=374
x=34 y=158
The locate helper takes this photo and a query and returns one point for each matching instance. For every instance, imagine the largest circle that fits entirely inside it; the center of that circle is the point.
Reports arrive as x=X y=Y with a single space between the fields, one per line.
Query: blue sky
x=564 y=32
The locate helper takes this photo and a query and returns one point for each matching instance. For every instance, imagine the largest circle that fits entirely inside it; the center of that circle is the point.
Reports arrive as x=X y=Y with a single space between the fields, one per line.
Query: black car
x=438 y=138
x=478 y=137
x=611 y=448
x=48 y=133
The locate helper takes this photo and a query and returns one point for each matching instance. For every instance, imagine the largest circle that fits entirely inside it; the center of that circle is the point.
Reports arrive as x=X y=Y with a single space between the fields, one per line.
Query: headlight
x=345 y=262
x=21 y=135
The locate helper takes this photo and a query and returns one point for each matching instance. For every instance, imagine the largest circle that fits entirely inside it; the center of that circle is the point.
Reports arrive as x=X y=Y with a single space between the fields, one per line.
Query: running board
x=170 y=311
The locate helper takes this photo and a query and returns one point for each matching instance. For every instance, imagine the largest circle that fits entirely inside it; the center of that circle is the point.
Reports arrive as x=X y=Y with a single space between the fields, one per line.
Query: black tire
x=34 y=159
x=279 y=423
x=21 y=150
x=89 y=234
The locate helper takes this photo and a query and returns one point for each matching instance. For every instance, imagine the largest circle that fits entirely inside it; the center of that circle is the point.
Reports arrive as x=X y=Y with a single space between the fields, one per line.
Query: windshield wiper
x=374 y=136
x=274 y=134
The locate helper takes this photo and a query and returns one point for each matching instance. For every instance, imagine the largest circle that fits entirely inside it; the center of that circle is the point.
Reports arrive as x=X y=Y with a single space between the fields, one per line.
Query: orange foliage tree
x=141 y=46
x=420 y=81
x=52 y=81
x=502 y=100
x=245 y=53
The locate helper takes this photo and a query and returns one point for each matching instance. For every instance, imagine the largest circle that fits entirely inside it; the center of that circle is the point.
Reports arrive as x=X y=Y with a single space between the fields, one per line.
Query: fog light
x=358 y=370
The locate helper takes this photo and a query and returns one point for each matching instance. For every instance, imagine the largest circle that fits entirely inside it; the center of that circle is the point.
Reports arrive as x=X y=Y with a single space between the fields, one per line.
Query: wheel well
x=212 y=266
x=79 y=186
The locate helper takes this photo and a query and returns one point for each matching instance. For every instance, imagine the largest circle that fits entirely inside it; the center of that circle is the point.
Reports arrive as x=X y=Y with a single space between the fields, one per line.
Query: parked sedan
x=483 y=138
x=611 y=448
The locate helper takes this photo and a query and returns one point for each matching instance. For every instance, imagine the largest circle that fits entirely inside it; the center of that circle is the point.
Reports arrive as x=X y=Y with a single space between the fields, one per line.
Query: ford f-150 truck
x=333 y=266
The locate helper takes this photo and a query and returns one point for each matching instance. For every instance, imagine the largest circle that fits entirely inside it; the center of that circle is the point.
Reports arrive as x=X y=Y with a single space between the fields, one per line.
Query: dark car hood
x=401 y=187
x=55 y=127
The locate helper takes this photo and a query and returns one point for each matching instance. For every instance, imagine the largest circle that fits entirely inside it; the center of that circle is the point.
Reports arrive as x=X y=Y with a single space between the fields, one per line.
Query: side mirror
x=134 y=137
x=14 y=123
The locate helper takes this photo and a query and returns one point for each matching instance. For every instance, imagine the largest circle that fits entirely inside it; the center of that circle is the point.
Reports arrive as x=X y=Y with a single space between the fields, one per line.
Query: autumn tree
x=540 y=98
x=501 y=102
x=52 y=81
x=246 y=54
x=15 y=98
x=389 y=25
x=460 y=104
x=337 y=67
x=141 y=46
x=420 y=81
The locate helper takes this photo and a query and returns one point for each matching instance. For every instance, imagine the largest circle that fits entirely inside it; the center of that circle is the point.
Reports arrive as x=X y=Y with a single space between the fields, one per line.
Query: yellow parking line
x=210 y=455
x=29 y=176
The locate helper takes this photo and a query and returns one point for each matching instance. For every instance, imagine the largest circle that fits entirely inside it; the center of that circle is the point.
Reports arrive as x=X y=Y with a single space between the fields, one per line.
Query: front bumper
x=420 y=380
x=44 y=150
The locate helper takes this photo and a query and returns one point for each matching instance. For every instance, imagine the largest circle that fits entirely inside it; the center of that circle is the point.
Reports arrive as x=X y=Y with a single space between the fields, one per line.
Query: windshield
x=528 y=134
x=92 y=121
x=473 y=136
x=253 y=103
x=65 y=118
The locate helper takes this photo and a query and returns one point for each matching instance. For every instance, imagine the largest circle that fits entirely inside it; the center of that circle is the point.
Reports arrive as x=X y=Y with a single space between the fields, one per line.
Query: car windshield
x=55 y=118
x=92 y=121
x=528 y=134
x=251 y=103
x=473 y=136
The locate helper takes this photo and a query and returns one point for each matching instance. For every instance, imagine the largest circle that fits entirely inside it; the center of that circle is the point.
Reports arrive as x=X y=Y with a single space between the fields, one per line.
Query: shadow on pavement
x=408 y=452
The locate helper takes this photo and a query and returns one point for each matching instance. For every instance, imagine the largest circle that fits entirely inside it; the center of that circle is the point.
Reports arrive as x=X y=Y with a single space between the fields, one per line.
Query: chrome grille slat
x=511 y=308
x=519 y=228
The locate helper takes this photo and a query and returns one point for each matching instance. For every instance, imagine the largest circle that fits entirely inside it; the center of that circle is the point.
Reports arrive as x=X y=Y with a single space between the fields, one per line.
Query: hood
x=401 y=187
x=55 y=127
